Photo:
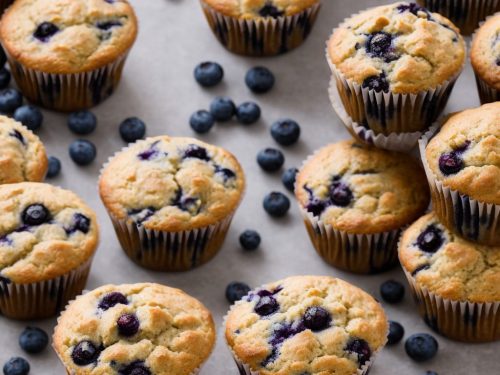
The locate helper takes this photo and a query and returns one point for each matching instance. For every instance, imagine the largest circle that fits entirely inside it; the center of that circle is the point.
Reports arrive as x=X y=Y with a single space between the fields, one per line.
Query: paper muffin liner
x=465 y=14
x=67 y=92
x=42 y=299
x=261 y=36
x=472 y=219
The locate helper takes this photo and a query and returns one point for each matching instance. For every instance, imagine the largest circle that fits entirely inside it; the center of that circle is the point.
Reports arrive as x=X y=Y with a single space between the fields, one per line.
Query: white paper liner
x=262 y=36
x=476 y=221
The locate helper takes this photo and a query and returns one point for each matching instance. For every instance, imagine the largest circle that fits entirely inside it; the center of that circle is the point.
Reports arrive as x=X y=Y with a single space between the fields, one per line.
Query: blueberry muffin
x=485 y=59
x=48 y=237
x=143 y=329
x=171 y=200
x=261 y=27
x=466 y=14
x=68 y=54
x=22 y=154
x=306 y=325
x=355 y=200
x=456 y=283
x=463 y=168
x=395 y=66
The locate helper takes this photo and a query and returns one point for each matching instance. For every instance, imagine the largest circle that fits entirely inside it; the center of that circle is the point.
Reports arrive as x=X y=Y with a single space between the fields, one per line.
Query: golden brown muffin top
x=250 y=9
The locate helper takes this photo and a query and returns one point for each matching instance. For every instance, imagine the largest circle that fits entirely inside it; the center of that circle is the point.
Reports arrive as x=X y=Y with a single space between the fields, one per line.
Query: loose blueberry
x=45 y=30
x=421 y=347
x=361 y=348
x=208 y=74
x=82 y=122
x=16 y=366
x=288 y=178
x=396 y=333
x=270 y=159
x=267 y=305
x=112 y=299
x=286 y=132
x=248 y=113
x=450 y=163
x=35 y=214
x=128 y=325
x=85 y=353
x=340 y=194
x=270 y=10
x=10 y=100
x=431 y=239
x=250 y=240
x=392 y=291
x=33 y=340
x=378 y=83
x=317 y=319
x=82 y=152
x=259 y=79
x=4 y=78
x=54 y=167
x=276 y=204
x=222 y=109
x=135 y=368
x=201 y=121
x=132 y=129
x=30 y=116
x=196 y=152
x=235 y=291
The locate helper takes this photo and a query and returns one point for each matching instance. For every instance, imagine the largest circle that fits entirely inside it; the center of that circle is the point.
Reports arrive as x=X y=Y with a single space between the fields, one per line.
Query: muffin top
x=134 y=329
x=306 y=325
x=361 y=189
x=465 y=154
x=22 y=155
x=172 y=184
x=402 y=48
x=485 y=51
x=45 y=232
x=448 y=265
x=250 y=9
x=68 y=36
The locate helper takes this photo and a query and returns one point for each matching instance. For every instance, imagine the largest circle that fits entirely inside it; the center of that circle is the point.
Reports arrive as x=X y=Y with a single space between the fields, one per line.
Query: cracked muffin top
x=22 y=155
x=68 y=36
x=448 y=265
x=485 y=51
x=250 y=9
x=361 y=189
x=172 y=184
x=146 y=329
x=306 y=325
x=45 y=232
x=465 y=154
x=401 y=48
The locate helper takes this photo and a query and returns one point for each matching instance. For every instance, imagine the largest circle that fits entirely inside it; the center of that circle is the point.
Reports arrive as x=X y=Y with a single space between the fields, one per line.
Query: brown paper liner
x=262 y=36
x=43 y=299
x=465 y=14
x=67 y=92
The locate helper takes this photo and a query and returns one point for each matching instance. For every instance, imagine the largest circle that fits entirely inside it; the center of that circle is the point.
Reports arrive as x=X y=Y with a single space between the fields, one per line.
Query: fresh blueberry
x=201 y=121
x=340 y=194
x=396 y=333
x=85 y=353
x=35 y=214
x=236 y=290
x=317 y=319
x=266 y=305
x=276 y=204
x=79 y=223
x=30 y=116
x=10 y=100
x=135 y=368
x=288 y=178
x=222 y=109
x=3 y=57
x=379 y=45
x=112 y=299
x=82 y=152
x=4 y=78
x=250 y=240
x=421 y=347
x=450 y=163
x=45 y=30
x=33 y=340
x=378 y=83
x=128 y=325
x=196 y=152
x=270 y=159
x=269 y=10
x=431 y=239
x=132 y=129
x=411 y=7
x=82 y=122
x=392 y=291
x=361 y=348
x=259 y=79
x=16 y=366
x=54 y=167
x=208 y=74
x=285 y=131
x=248 y=113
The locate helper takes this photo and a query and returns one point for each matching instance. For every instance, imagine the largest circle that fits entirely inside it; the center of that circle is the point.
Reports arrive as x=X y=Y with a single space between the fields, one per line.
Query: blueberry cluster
x=340 y=194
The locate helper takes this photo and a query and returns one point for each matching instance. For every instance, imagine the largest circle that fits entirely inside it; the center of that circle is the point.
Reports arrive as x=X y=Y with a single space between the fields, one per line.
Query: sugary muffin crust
x=22 y=155
x=45 y=232
x=465 y=154
x=68 y=36
x=134 y=329
x=360 y=189
x=306 y=325
x=401 y=48
x=172 y=184
x=485 y=52
x=249 y=9
x=448 y=265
